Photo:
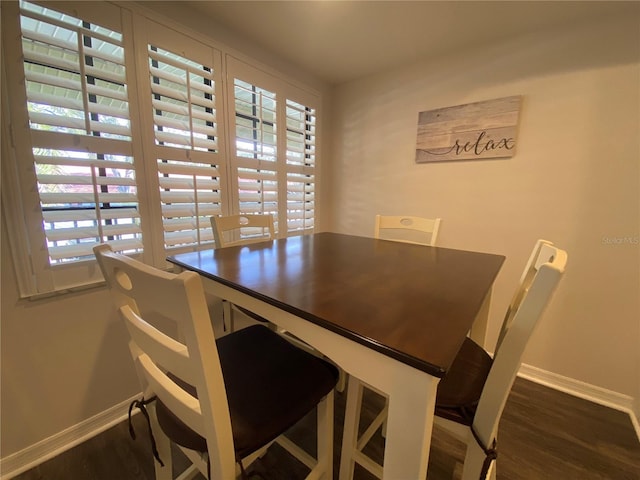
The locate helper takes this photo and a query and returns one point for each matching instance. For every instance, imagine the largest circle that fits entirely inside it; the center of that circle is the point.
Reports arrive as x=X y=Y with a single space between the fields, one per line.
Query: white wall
x=63 y=360
x=574 y=180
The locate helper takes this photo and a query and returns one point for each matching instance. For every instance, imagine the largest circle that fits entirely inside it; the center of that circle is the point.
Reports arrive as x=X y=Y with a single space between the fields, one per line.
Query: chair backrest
x=537 y=285
x=242 y=229
x=423 y=231
x=140 y=291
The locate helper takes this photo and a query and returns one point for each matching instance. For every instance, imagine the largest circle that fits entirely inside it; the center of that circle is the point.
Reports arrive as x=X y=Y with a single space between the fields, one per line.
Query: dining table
x=392 y=314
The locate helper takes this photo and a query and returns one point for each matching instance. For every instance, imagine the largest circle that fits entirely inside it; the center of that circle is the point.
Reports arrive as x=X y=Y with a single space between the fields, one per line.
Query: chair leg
x=384 y=423
x=198 y=465
x=473 y=461
x=227 y=316
x=351 y=423
x=325 y=436
x=493 y=469
x=163 y=445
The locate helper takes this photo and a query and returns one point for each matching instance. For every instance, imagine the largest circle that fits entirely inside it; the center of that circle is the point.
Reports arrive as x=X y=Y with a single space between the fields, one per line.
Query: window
x=187 y=147
x=119 y=134
x=77 y=144
x=274 y=150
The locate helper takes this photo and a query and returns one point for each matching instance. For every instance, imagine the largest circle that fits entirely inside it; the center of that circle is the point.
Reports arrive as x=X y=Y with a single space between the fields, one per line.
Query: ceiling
x=339 y=41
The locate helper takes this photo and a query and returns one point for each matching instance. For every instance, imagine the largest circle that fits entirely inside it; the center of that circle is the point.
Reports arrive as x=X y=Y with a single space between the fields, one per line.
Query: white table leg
x=409 y=427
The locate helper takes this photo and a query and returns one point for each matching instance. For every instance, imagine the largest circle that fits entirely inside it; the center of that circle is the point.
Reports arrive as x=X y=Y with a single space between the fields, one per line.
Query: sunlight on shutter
x=262 y=171
x=300 y=202
x=301 y=160
x=255 y=118
x=79 y=116
x=255 y=122
x=186 y=138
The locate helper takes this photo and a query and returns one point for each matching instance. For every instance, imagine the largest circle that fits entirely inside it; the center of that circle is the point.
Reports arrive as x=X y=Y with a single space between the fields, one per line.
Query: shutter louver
x=184 y=119
x=300 y=202
x=81 y=137
x=190 y=194
x=258 y=192
x=301 y=160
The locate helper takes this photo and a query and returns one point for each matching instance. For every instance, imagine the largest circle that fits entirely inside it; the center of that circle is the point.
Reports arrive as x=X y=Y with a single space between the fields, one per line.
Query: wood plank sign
x=472 y=131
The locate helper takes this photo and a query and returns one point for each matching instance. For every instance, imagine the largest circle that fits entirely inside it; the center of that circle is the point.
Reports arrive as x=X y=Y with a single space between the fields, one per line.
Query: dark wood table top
x=410 y=302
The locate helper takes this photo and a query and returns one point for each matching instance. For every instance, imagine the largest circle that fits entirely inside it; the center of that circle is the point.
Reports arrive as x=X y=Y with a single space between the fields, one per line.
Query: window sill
x=63 y=291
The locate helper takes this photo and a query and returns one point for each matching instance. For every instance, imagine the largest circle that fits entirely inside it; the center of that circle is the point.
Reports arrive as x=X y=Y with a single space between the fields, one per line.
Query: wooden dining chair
x=423 y=231
x=222 y=402
x=472 y=395
x=241 y=230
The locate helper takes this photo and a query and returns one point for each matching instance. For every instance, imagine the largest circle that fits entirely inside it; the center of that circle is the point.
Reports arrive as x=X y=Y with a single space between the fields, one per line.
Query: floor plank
x=544 y=434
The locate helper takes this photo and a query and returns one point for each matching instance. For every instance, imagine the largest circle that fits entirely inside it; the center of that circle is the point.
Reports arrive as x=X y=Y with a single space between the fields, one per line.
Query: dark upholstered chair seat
x=270 y=386
x=459 y=391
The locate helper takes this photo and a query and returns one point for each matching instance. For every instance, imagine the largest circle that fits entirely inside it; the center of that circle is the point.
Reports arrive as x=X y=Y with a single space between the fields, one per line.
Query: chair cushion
x=460 y=389
x=270 y=383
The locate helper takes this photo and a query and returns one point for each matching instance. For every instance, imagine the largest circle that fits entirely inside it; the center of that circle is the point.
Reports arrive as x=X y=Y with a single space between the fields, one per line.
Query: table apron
x=356 y=359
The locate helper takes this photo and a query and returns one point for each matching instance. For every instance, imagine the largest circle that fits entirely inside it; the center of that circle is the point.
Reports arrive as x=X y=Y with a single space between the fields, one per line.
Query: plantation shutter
x=256 y=150
x=116 y=128
x=301 y=161
x=183 y=83
x=273 y=155
x=78 y=108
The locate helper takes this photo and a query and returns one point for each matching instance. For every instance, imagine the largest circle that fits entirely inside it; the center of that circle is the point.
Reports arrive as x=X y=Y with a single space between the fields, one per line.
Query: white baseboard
x=599 y=395
x=48 y=448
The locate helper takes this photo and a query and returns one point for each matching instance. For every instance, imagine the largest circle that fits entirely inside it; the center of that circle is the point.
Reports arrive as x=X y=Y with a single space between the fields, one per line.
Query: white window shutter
x=118 y=133
x=273 y=155
x=182 y=84
x=78 y=111
x=256 y=149
x=301 y=161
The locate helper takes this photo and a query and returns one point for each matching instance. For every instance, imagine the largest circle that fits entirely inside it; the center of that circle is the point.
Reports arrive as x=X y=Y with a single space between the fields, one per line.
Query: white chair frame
x=181 y=298
x=260 y=225
x=427 y=226
x=233 y=225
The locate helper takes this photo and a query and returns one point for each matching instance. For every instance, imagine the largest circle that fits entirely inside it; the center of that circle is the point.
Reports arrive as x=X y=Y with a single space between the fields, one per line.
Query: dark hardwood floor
x=544 y=434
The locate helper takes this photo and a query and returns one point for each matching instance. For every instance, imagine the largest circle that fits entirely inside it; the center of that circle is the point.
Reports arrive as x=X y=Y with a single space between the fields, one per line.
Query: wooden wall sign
x=469 y=132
